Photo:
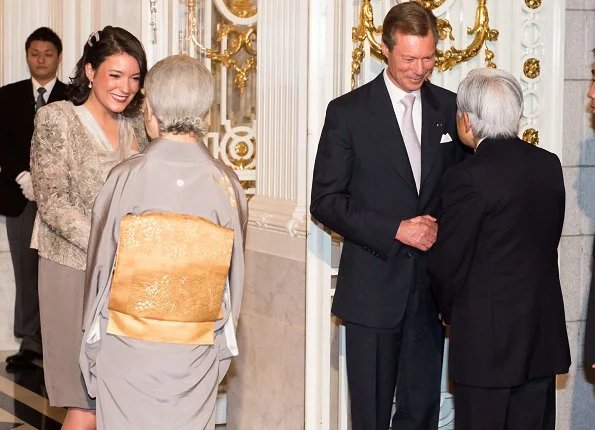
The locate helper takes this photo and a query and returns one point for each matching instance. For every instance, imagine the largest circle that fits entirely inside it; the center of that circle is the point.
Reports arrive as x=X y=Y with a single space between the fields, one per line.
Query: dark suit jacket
x=589 y=350
x=17 y=111
x=494 y=266
x=590 y=326
x=363 y=187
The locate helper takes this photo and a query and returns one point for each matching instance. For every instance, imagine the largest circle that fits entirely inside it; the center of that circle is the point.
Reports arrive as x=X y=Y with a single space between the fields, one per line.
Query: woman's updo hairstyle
x=101 y=45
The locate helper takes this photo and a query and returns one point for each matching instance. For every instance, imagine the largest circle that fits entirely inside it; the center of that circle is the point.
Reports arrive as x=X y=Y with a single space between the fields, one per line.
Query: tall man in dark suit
x=494 y=265
x=380 y=160
x=18 y=103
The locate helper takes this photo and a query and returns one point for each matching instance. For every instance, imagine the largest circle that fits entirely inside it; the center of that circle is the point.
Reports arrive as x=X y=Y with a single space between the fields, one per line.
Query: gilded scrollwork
x=248 y=185
x=531 y=68
x=243 y=8
x=432 y=4
x=533 y=4
x=230 y=43
x=237 y=37
x=483 y=33
x=445 y=60
x=364 y=31
x=531 y=136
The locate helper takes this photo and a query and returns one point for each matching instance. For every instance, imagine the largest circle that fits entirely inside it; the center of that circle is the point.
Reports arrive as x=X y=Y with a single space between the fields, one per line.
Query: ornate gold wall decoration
x=243 y=8
x=533 y=4
x=237 y=38
x=483 y=33
x=364 y=31
x=531 y=136
x=531 y=68
x=444 y=60
x=247 y=185
x=432 y=4
x=224 y=31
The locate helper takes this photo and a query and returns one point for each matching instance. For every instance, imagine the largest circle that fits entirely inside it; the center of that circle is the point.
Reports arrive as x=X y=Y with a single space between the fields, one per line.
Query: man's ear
x=384 y=49
x=148 y=108
x=467 y=122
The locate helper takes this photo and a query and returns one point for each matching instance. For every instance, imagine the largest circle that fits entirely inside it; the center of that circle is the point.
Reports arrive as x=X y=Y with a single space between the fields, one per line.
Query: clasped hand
x=419 y=232
x=24 y=181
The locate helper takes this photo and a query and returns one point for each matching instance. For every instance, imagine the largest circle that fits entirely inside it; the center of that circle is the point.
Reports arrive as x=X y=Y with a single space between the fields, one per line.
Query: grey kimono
x=155 y=385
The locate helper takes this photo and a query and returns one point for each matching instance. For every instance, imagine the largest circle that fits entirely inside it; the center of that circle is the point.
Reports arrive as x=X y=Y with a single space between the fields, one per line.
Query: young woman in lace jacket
x=75 y=144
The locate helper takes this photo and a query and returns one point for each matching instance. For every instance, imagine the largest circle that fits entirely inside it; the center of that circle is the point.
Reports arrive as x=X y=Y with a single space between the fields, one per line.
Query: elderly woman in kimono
x=165 y=267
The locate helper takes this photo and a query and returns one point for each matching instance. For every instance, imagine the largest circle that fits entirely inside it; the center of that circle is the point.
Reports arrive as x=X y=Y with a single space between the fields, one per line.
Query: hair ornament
x=95 y=35
x=201 y=127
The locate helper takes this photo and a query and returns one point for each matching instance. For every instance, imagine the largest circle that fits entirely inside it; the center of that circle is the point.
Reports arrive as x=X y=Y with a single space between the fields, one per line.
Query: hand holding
x=419 y=232
x=24 y=181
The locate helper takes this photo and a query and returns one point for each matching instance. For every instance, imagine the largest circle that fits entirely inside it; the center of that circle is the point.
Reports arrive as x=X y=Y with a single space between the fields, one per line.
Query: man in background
x=494 y=266
x=18 y=104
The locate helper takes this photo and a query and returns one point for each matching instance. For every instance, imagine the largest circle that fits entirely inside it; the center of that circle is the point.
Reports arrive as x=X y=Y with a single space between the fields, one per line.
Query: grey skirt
x=61 y=292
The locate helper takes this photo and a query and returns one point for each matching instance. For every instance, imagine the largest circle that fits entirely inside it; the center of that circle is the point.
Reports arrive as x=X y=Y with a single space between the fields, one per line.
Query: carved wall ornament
x=531 y=68
x=226 y=35
x=531 y=136
x=445 y=60
x=241 y=12
x=243 y=8
x=153 y=24
x=364 y=31
x=236 y=37
x=432 y=4
x=483 y=33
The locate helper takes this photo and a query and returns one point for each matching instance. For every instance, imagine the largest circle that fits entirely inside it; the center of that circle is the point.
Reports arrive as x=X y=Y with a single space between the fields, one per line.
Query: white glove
x=24 y=180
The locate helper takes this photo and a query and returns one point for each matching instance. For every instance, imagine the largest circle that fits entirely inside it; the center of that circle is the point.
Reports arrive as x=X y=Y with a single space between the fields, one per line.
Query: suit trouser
x=408 y=358
x=531 y=406
x=24 y=261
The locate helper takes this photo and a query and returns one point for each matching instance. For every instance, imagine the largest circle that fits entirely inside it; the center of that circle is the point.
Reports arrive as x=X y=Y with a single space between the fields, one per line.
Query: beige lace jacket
x=68 y=168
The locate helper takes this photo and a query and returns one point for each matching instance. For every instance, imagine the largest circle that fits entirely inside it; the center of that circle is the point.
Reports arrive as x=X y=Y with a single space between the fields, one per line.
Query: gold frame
x=445 y=60
x=243 y=38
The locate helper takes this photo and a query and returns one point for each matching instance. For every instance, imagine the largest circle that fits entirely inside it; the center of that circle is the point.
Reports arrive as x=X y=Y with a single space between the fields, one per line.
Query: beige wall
x=576 y=396
x=265 y=386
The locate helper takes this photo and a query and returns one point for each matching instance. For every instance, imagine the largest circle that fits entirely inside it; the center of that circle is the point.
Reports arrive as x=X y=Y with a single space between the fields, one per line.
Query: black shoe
x=22 y=357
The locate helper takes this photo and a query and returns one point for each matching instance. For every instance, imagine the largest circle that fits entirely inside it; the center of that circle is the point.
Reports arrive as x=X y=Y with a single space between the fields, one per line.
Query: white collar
x=48 y=87
x=480 y=140
x=395 y=92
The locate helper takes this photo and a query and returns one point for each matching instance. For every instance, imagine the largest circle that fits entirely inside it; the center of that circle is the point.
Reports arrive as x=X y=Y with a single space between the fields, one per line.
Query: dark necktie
x=39 y=102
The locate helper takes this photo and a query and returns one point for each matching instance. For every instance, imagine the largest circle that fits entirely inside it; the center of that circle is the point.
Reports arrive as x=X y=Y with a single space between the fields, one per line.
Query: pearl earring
x=90 y=84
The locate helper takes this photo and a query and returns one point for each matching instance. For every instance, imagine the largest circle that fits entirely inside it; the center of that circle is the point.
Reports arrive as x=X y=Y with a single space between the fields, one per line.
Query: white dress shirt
x=396 y=94
x=48 y=88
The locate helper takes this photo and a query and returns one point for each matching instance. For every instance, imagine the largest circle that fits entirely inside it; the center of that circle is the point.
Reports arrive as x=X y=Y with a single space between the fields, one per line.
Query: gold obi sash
x=169 y=277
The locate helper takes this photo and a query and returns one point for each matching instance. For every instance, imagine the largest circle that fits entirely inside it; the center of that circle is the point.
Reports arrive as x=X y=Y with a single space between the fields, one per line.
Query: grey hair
x=179 y=89
x=493 y=99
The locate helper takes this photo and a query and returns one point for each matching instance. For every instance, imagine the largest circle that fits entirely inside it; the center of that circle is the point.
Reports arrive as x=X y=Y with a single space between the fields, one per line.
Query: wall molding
x=277 y=215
